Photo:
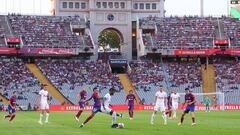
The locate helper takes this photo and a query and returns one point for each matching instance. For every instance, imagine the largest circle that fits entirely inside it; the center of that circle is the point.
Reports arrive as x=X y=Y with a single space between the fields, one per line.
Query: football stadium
x=119 y=67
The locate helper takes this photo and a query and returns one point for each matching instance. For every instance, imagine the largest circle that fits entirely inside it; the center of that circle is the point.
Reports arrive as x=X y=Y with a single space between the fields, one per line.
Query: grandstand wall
x=111 y=14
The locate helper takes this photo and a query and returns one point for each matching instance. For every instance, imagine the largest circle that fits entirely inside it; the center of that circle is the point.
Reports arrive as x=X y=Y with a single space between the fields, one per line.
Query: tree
x=109 y=38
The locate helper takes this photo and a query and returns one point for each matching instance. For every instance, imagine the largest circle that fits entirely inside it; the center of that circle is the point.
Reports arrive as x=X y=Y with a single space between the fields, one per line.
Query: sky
x=173 y=7
x=192 y=7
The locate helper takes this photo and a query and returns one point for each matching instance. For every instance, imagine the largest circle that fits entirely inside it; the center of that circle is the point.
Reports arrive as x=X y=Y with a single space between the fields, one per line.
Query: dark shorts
x=11 y=110
x=96 y=109
x=82 y=104
x=169 y=107
x=190 y=108
x=130 y=107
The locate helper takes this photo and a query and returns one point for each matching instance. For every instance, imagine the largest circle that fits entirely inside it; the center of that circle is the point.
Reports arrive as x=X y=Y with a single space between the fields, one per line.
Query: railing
x=91 y=38
x=10 y=29
x=185 y=47
x=141 y=45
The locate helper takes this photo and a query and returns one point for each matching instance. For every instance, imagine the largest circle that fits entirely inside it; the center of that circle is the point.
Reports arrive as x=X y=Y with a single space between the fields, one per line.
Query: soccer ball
x=120 y=125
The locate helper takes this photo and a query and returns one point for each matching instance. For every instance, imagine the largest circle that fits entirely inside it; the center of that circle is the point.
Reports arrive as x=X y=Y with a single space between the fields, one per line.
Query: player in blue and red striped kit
x=169 y=104
x=102 y=107
x=190 y=101
x=96 y=107
x=130 y=98
x=81 y=100
x=12 y=107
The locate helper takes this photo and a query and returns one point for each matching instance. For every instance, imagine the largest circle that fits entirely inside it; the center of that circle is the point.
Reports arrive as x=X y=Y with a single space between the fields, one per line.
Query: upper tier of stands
x=188 y=32
x=47 y=31
x=232 y=30
x=2 y=35
x=170 y=32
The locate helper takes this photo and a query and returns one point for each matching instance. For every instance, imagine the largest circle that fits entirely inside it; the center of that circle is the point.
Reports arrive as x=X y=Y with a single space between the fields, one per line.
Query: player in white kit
x=105 y=107
x=43 y=103
x=175 y=100
x=160 y=105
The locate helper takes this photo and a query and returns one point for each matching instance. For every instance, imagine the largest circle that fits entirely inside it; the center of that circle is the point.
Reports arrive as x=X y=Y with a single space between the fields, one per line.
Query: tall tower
x=201 y=8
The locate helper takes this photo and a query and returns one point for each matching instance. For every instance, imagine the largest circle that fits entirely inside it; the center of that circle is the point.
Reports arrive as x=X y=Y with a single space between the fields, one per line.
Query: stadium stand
x=145 y=73
x=184 y=73
x=147 y=76
x=2 y=32
x=47 y=31
x=2 y=35
x=33 y=68
x=15 y=76
x=227 y=80
x=182 y=32
x=69 y=76
x=227 y=72
x=232 y=30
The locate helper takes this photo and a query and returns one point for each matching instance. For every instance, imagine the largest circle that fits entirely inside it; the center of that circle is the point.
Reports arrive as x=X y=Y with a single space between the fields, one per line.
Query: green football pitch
x=63 y=123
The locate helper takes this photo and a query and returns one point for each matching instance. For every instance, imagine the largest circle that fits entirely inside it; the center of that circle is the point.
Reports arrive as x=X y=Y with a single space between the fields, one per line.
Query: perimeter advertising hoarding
x=227 y=51
x=136 y=107
x=48 y=51
x=13 y=40
x=196 y=52
x=4 y=50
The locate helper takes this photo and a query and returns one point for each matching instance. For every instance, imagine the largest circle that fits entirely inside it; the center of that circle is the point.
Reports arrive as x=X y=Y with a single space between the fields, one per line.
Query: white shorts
x=174 y=107
x=160 y=108
x=44 y=106
x=106 y=109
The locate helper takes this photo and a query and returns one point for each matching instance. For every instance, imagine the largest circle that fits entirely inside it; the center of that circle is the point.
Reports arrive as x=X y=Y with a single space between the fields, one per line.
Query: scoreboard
x=235 y=1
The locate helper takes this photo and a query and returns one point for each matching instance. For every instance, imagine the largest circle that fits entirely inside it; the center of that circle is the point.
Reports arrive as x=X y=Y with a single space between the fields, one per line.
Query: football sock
x=193 y=120
x=41 y=116
x=153 y=117
x=47 y=115
x=165 y=117
x=88 y=119
x=13 y=116
x=182 y=118
x=7 y=116
x=79 y=113
x=170 y=114
x=114 y=115
x=174 y=114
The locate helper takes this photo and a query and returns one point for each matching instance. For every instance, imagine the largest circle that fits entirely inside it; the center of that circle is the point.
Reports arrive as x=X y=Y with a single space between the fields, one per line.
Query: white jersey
x=161 y=96
x=107 y=100
x=44 y=96
x=175 y=98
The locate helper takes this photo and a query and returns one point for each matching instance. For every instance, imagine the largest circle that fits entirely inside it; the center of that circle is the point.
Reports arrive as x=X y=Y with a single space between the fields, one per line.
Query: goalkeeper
x=207 y=102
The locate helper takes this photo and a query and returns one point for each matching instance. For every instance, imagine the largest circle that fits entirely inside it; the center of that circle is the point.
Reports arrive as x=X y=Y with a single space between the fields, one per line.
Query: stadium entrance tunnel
x=119 y=70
